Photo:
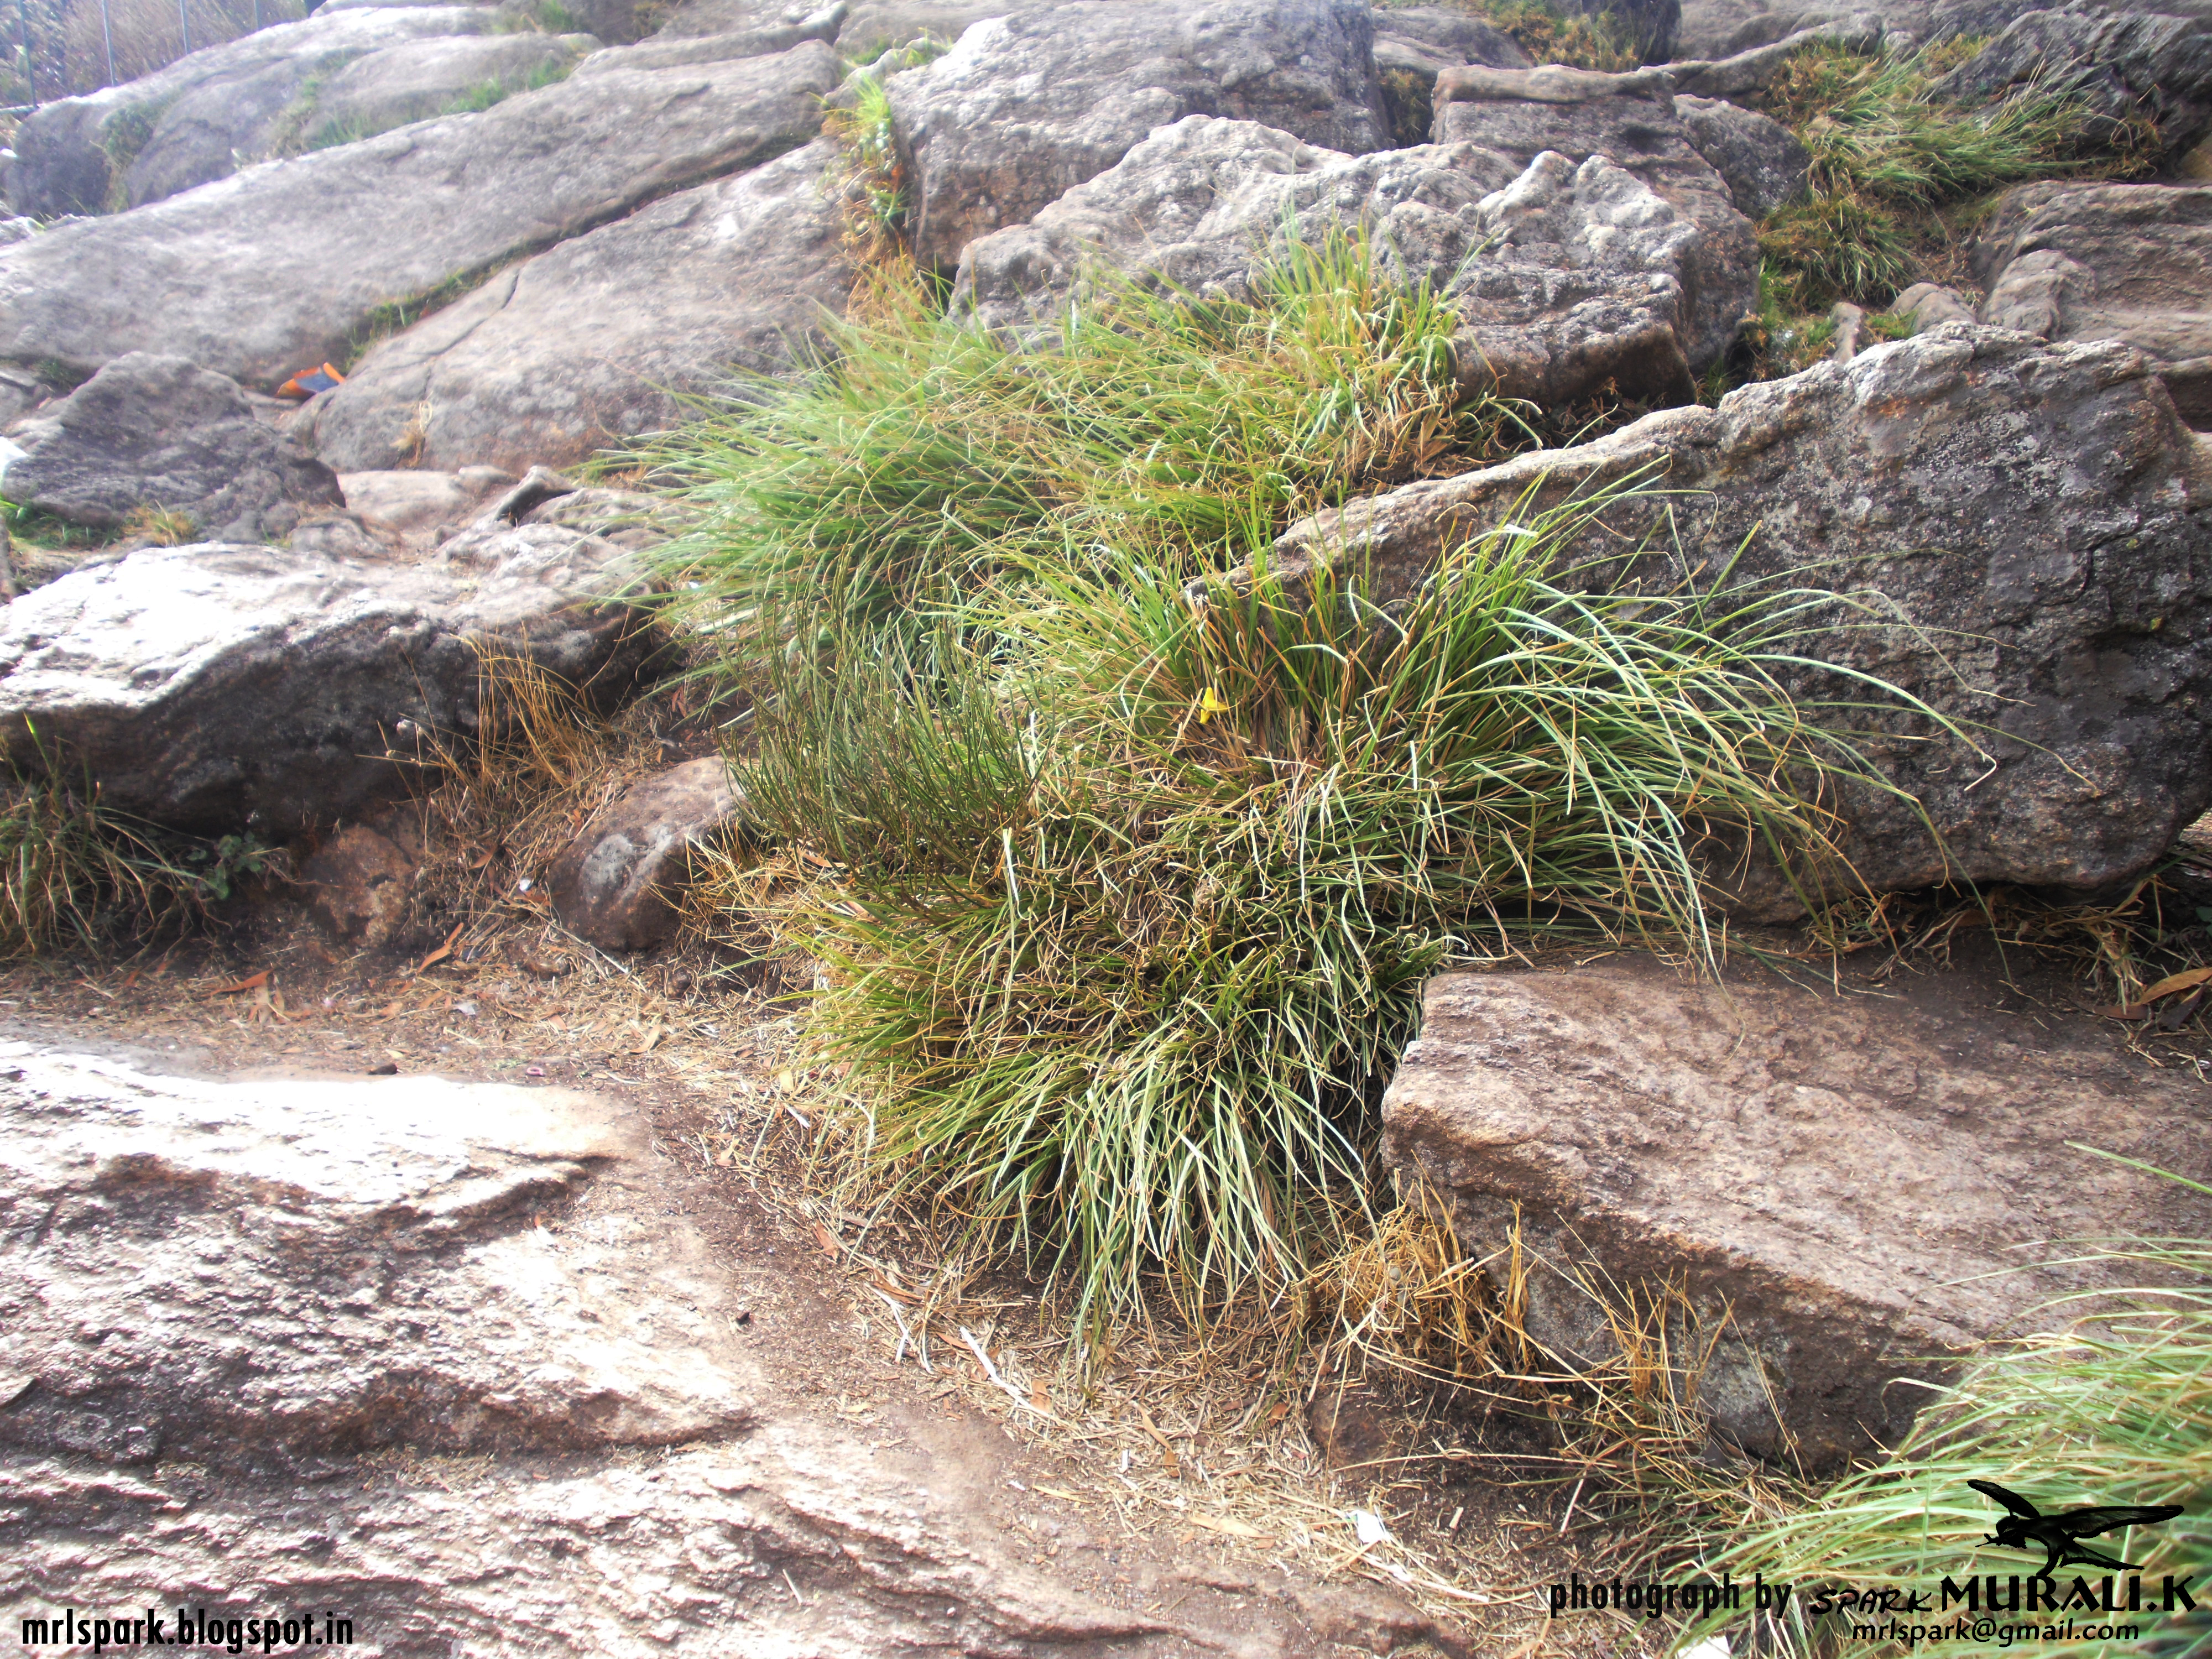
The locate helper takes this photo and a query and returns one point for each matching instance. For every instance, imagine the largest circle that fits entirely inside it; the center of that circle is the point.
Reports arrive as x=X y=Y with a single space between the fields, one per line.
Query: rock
x=1844 y=1187
x=618 y=883
x=1932 y=307
x=361 y=884
x=221 y=687
x=2129 y=67
x=604 y=337
x=1747 y=73
x=1566 y=277
x=1631 y=120
x=1713 y=29
x=1955 y=20
x=397 y=1212
x=1028 y=106
x=671 y=49
x=2035 y=514
x=262 y=1313
x=1646 y=28
x=417 y=504
x=338 y=236
x=614 y=21
x=627 y=518
x=1852 y=334
x=422 y=79
x=2109 y=262
x=1413 y=45
x=190 y=123
x=1760 y=159
x=156 y=432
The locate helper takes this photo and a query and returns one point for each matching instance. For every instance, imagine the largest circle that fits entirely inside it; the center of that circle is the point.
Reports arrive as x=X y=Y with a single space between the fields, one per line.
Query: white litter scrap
x=1369 y=1526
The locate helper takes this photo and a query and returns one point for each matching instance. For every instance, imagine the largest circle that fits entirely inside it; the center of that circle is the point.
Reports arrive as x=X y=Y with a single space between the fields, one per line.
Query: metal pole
x=257 y=16
x=30 y=69
x=107 y=42
x=184 y=27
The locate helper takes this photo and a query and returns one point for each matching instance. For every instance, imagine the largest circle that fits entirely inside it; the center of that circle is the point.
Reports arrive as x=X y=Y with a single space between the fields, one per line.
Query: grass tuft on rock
x=1888 y=154
x=1125 y=875
x=2114 y=1406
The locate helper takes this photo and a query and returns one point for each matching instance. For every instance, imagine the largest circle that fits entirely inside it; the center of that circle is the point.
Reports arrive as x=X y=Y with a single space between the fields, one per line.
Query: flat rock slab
x=395 y=1212
x=2035 y=518
x=2109 y=262
x=604 y=337
x=1027 y=106
x=280 y=267
x=223 y=688
x=1848 y=1186
x=441 y=1358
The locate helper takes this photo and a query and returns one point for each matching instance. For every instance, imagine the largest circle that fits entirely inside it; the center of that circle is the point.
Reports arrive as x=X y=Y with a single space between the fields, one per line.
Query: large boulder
x=220 y=688
x=280 y=267
x=423 y=79
x=1818 y=1192
x=1028 y=106
x=672 y=48
x=1631 y=121
x=604 y=336
x=149 y=432
x=191 y=121
x=2030 y=525
x=1413 y=45
x=2127 y=67
x=2109 y=262
x=1713 y=29
x=1565 y=276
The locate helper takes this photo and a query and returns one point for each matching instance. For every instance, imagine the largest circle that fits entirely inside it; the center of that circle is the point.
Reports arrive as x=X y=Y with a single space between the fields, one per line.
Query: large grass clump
x=1126 y=874
x=2115 y=1406
x=1888 y=156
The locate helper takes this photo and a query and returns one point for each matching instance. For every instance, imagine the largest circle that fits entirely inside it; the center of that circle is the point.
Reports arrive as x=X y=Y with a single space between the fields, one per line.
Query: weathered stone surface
x=1761 y=159
x=1713 y=29
x=1929 y=306
x=276 y=268
x=420 y=79
x=242 y=1319
x=603 y=337
x=417 y=503
x=1027 y=106
x=1413 y=45
x=1847 y=1187
x=1744 y=74
x=1565 y=276
x=1955 y=20
x=618 y=882
x=2109 y=262
x=156 y=432
x=627 y=518
x=675 y=47
x=393 y=1212
x=190 y=123
x=361 y=883
x=1631 y=120
x=2038 y=517
x=218 y=687
x=2126 y=65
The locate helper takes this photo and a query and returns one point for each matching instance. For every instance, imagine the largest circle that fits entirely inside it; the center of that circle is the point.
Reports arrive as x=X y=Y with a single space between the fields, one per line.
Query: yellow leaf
x=1209 y=705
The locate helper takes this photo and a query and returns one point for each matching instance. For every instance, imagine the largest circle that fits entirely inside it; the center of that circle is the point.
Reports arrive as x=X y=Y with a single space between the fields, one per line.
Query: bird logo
x=2027 y=1527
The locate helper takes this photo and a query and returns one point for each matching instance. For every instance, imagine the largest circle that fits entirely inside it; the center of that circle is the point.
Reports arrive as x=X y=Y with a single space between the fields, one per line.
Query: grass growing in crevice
x=397 y=316
x=1125 y=877
x=73 y=874
x=933 y=454
x=1889 y=156
x=1551 y=34
x=2110 y=1404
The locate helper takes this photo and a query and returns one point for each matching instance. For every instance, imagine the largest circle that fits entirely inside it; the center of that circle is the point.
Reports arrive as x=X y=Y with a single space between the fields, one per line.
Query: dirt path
x=572 y=1386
